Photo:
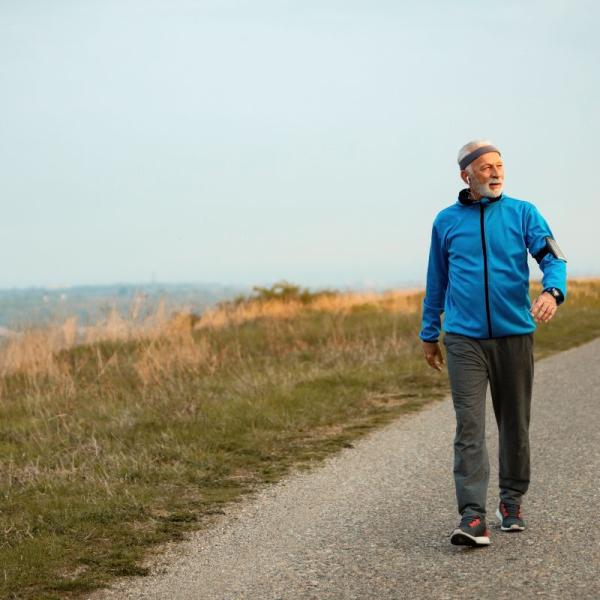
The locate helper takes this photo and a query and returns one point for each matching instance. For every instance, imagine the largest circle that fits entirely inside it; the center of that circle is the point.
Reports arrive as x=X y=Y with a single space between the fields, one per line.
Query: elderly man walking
x=478 y=276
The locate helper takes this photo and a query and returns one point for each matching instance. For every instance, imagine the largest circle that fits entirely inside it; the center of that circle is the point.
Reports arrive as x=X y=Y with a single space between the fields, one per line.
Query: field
x=143 y=431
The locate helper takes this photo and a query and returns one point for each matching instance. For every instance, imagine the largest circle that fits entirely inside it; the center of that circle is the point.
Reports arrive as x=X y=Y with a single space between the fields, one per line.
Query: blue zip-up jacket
x=478 y=273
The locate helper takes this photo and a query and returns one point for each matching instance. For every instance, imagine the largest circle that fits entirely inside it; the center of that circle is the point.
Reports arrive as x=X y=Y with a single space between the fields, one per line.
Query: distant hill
x=36 y=306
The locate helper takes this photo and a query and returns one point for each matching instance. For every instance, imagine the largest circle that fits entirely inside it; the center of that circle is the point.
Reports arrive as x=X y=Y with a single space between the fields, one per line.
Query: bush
x=281 y=290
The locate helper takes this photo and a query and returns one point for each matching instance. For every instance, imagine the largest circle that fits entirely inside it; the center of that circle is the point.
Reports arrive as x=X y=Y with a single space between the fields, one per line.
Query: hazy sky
x=312 y=140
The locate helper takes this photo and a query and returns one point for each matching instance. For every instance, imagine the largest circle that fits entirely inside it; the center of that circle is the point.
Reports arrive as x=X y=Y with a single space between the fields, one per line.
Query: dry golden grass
x=403 y=301
x=407 y=301
x=165 y=341
x=168 y=342
x=580 y=287
x=175 y=349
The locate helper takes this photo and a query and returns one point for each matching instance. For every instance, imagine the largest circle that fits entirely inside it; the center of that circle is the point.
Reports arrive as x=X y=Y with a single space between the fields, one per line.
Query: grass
x=147 y=431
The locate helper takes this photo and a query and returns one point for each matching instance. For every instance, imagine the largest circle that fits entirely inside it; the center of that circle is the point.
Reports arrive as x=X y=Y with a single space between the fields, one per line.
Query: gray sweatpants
x=507 y=363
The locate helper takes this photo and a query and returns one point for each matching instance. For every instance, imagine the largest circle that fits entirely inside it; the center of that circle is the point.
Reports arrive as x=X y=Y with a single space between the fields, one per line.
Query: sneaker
x=510 y=517
x=472 y=531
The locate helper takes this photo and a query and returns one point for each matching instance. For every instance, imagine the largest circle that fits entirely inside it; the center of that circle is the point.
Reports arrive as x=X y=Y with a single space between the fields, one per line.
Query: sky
x=246 y=142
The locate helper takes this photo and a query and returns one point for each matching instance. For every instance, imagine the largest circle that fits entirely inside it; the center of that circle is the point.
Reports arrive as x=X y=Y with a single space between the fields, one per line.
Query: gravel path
x=373 y=521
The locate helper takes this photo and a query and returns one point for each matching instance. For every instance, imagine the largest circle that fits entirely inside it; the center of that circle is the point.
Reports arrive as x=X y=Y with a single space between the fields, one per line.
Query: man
x=478 y=276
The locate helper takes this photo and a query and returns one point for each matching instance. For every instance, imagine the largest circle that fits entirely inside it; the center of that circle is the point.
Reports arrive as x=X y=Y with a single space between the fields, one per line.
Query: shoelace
x=510 y=510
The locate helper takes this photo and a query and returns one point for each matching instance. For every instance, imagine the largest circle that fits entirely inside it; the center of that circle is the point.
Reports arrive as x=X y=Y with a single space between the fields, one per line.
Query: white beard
x=484 y=189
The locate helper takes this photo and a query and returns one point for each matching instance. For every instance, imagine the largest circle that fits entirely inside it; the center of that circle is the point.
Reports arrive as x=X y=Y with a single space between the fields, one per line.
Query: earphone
x=468 y=180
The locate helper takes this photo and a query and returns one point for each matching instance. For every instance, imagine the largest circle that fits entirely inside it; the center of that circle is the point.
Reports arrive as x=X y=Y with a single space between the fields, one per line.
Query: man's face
x=486 y=175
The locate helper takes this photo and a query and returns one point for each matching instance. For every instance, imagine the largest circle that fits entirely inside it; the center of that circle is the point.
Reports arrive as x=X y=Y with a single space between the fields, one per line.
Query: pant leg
x=511 y=382
x=468 y=373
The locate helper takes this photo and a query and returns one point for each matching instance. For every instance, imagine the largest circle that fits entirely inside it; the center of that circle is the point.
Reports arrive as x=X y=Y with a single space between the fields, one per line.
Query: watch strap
x=558 y=295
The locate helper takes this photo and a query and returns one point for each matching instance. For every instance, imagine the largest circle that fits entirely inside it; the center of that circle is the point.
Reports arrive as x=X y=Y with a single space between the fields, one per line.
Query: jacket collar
x=464 y=197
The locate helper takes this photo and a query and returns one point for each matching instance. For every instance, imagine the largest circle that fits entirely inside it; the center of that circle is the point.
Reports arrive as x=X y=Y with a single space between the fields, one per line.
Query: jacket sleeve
x=554 y=269
x=435 y=292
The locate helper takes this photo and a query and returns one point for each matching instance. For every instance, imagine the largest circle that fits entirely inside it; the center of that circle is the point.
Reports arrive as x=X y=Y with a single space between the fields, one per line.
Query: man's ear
x=465 y=177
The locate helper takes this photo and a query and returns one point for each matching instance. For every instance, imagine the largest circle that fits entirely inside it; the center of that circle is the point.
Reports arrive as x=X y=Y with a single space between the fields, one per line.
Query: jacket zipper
x=485 y=271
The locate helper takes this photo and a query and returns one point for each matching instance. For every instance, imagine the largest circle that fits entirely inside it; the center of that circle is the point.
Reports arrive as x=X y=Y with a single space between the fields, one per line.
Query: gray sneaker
x=471 y=531
x=510 y=517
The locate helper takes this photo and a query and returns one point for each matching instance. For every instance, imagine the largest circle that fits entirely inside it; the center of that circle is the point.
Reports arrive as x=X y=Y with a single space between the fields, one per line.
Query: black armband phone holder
x=551 y=247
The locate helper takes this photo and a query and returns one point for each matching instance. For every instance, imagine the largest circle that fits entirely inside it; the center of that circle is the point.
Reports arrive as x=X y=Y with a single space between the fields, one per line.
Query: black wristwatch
x=558 y=295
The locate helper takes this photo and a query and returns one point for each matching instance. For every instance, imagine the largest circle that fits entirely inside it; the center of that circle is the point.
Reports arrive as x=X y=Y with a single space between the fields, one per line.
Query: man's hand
x=433 y=355
x=543 y=307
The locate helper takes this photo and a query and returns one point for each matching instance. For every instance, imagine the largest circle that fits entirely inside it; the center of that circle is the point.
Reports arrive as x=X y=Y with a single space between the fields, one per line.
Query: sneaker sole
x=513 y=527
x=460 y=538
